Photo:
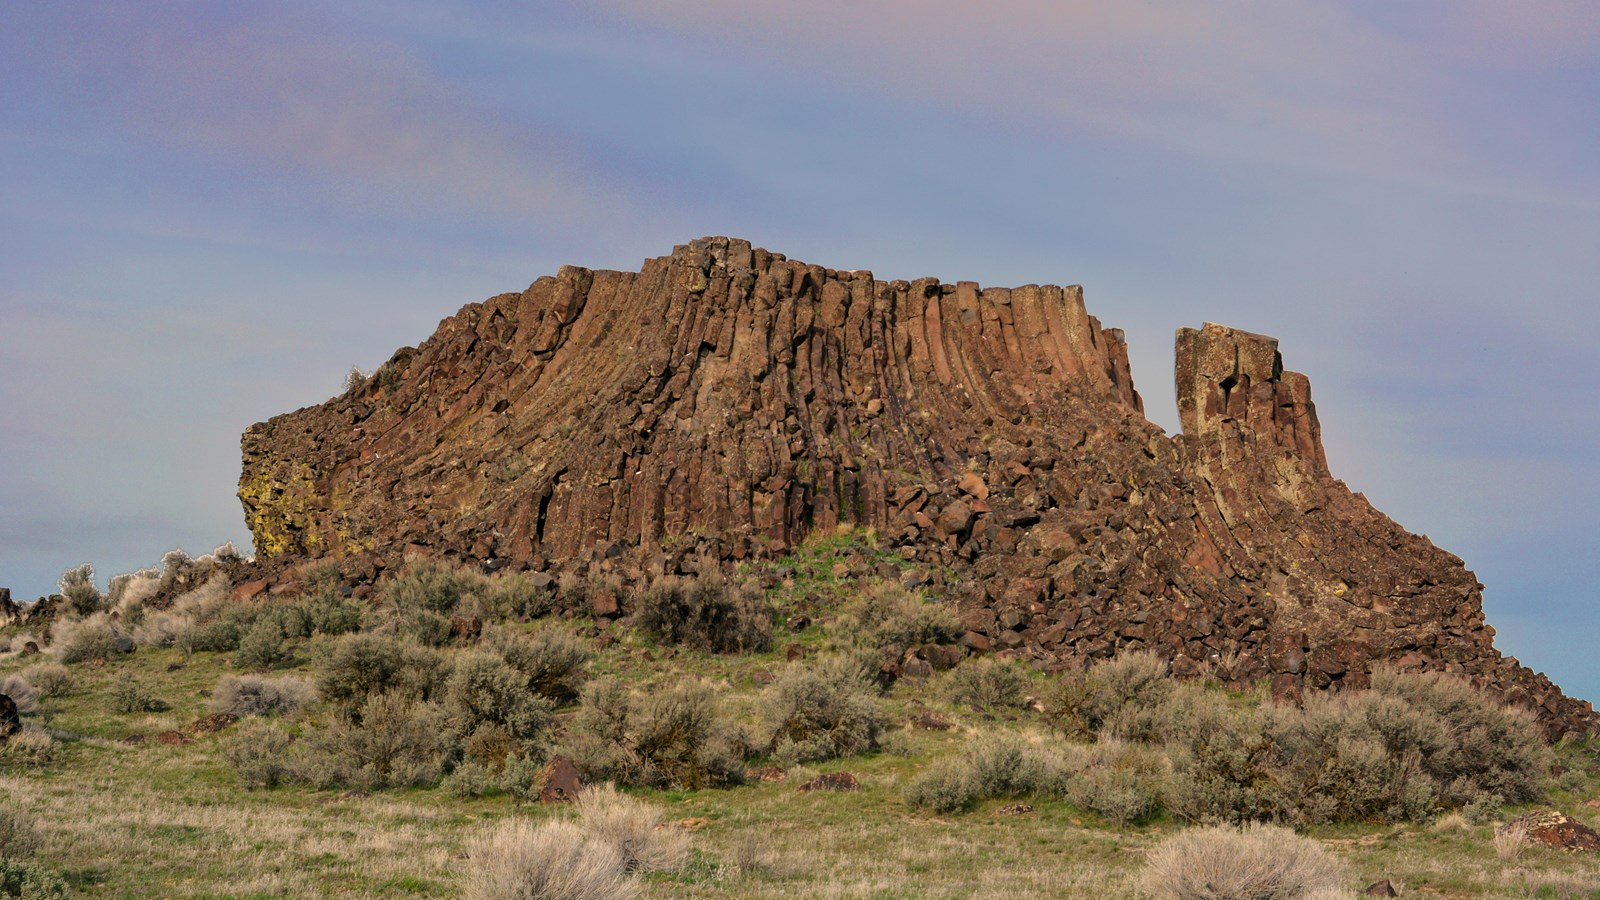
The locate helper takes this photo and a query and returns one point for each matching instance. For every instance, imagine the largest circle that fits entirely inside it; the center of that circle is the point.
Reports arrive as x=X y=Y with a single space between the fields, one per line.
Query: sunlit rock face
x=727 y=402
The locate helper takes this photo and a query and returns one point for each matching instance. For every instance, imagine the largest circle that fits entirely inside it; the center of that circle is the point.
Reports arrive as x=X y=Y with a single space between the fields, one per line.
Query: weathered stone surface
x=559 y=781
x=726 y=402
x=1552 y=828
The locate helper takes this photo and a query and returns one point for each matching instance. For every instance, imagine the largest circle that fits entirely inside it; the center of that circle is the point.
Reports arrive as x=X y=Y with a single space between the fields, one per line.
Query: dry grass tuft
x=1510 y=842
x=554 y=860
x=1258 y=862
x=633 y=827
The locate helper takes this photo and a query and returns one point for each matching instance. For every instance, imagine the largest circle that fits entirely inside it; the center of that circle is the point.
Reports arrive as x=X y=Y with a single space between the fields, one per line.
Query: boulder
x=1553 y=828
x=559 y=781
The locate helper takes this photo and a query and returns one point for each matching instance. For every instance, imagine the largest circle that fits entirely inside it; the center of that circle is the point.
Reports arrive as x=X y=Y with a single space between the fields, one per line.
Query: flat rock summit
x=725 y=402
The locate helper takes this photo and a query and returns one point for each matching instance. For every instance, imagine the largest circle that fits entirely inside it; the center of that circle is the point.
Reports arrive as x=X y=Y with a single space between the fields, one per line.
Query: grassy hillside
x=986 y=780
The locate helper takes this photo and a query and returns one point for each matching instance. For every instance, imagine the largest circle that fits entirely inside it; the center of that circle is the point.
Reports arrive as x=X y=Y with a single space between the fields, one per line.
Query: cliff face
x=728 y=400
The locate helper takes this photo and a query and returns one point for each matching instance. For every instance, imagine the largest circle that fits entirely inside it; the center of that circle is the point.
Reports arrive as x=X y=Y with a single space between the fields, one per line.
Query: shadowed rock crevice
x=728 y=400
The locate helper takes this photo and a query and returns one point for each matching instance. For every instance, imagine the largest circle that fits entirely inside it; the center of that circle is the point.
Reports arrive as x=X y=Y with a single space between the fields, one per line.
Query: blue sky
x=210 y=212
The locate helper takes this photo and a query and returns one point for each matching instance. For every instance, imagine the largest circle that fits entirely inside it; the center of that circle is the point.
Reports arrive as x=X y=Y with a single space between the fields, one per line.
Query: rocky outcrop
x=728 y=401
x=1552 y=828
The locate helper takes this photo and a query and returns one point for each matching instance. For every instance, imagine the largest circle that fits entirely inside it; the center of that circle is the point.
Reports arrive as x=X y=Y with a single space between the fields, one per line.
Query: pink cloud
x=358 y=114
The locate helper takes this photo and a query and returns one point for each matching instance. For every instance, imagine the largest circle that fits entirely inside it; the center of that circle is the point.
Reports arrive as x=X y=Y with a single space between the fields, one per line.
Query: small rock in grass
x=832 y=781
x=559 y=781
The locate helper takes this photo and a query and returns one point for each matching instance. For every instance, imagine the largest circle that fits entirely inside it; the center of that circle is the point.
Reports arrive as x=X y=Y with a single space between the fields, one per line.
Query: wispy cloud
x=1294 y=83
x=290 y=98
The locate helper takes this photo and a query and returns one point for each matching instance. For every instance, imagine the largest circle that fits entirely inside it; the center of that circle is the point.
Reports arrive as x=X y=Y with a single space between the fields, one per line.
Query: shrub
x=1003 y=765
x=165 y=628
x=521 y=777
x=1118 y=694
x=19 y=837
x=1483 y=809
x=986 y=684
x=249 y=695
x=93 y=638
x=552 y=662
x=77 y=586
x=1493 y=748
x=50 y=679
x=1262 y=862
x=129 y=591
x=262 y=645
x=423 y=673
x=514 y=594
x=470 y=779
x=430 y=585
x=329 y=612
x=176 y=566
x=998 y=765
x=484 y=690
x=21 y=692
x=816 y=712
x=889 y=615
x=946 y=786
x=1122 y=781
x=1330 y=760
x=426 y=627
x=676 y=737
x=633 y=827
x=258 y=753
x=1219 y=754
x=129 y=695
x=705 y=613
x=30 y=882
x=553 y=860
x=203 y=618
x=358 y=666
x=390 y=741
x=214 y=637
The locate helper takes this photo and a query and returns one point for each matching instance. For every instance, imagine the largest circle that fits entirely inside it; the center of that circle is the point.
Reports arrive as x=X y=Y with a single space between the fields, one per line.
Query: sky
x=210 y=212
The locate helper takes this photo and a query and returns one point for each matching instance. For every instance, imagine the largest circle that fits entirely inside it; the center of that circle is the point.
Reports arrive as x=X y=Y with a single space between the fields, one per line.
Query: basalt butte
x=725 y=402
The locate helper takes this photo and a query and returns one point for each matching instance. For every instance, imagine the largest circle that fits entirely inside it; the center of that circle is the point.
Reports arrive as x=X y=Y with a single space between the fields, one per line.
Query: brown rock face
x=559 y=781
x=727 y=400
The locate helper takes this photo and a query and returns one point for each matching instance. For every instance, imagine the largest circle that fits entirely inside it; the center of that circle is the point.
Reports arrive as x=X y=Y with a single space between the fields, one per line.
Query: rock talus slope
x=730 y=401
